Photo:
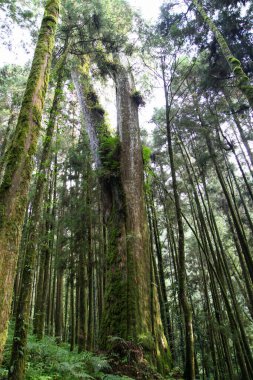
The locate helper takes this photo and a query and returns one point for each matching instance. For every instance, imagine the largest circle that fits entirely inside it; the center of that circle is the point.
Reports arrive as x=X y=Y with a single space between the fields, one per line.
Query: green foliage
x=146 y=341
x=176 y=373
x=116 y=377
x=45 y=358
x=3 y=373
x=109 y=153
x=105 y=64
x=48 y=361
x=146 y=153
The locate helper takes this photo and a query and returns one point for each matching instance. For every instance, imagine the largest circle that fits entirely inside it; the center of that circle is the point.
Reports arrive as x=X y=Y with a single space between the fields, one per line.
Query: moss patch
x=109 y=153
x=138 y=98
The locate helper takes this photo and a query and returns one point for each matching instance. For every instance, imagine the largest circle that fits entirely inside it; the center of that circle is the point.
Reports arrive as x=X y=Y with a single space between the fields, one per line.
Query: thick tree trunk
x=13 y=191
x=127 y=304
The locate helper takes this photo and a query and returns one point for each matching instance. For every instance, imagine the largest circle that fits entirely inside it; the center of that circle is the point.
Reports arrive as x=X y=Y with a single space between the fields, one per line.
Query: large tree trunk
x=13 y=191
x=128 y=294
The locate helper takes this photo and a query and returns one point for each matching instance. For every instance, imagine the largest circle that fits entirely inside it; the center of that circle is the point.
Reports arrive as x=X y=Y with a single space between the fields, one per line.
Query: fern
x=48 y=360
x=116 y=377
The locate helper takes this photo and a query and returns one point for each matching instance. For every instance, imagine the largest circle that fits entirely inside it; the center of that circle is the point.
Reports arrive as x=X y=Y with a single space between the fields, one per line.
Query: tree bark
x=189 y=337
x=127 y=303
x=19 y=165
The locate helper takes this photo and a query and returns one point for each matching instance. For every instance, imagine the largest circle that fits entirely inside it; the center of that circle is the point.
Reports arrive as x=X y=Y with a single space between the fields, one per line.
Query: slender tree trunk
x=72 y=304
x=239 y=126
x=22 y=318
x=243 y=82
x=41 y=272
x=14 y=188
x=236 y=221
x=90 y=271
x=189 y=337
x=59 y=304
x=164 y=301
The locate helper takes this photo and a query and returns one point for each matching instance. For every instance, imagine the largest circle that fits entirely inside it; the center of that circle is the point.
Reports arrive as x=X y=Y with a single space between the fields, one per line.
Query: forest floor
x=47 y=360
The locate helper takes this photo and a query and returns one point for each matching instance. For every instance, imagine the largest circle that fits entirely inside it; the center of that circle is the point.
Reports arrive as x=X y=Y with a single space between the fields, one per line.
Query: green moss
x=105 y=65
x=234 y=61
x=146 y=341
x=109 y=153
x=50 y=18
x=3 y=336
x=19 y=158
x=115 y=315
x=93 y=101
x=146 y=153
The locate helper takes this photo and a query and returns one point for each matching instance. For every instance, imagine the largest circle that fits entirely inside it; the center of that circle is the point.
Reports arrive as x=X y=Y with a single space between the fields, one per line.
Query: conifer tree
x=19 y=162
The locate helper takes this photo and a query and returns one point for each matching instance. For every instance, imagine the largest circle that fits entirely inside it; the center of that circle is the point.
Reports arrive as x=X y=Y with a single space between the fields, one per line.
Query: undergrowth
x=48 y=361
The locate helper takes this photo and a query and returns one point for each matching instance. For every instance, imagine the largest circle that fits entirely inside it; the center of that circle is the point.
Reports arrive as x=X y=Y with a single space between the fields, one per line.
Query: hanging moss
x=106 y=66
x=234 y=61
x=138 y=98
x=92 y=98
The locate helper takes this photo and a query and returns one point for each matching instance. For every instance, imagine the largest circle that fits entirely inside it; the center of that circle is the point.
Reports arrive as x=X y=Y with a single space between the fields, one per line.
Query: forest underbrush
x=47 y=360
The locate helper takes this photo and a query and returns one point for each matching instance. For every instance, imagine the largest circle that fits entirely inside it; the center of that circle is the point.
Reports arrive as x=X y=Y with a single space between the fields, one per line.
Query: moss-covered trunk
x=243 y=82
x=6 y=140
x=128 y=295
x=13 y=191
x=132 y=288
x=24 y=301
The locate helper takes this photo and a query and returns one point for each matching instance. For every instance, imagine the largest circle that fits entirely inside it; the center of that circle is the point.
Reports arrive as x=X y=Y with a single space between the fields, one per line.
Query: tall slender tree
x=19 y=162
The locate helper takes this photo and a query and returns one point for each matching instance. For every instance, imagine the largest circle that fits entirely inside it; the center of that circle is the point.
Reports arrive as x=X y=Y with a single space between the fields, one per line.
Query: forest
x=126 y=197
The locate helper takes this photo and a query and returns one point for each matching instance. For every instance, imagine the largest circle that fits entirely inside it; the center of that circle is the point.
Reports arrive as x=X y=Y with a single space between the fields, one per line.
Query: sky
x=20 y=55
x=148 y=8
